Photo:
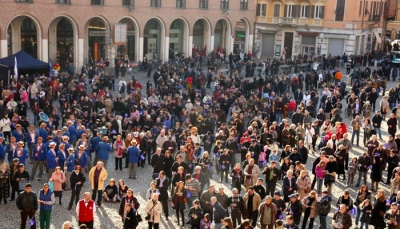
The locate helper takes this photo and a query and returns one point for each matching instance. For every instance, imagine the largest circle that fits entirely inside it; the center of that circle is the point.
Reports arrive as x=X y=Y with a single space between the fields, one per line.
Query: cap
x=394 y=203
x=105 y=138
x=52 y=144
x=20 y=165
x=70 y=149
x=278 y=193
x=20 y=143
x=293 y=196
x=15 y=160
x=81 y=146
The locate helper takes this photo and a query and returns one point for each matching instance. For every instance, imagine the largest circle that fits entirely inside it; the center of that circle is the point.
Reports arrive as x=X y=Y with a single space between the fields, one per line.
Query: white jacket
x=155 y=215
x=5 y=124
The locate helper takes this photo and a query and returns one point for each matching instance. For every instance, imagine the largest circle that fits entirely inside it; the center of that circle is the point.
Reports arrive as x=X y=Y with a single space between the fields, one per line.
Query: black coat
x=75 y=178
x=130 y=221
x=135 y=204
x=378 y=212
x=164 y=189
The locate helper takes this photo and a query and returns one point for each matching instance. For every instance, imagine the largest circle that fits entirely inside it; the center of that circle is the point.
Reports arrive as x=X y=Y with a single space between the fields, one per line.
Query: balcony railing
x=286 y=21
x=261 y=19
x=375 y=18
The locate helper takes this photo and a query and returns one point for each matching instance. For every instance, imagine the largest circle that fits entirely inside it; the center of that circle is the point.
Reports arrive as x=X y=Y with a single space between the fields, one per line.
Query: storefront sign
x=240 y=35
x=97 y=33
x=120 y=34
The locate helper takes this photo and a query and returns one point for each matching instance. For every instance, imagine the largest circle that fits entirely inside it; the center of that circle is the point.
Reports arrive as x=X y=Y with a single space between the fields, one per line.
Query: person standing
x=162 y=184
x=271 y=177
x=130 y=220
x=119 y=147
x=39 y=152
x=85 y=210
x=153 y=210
x=58 y=178
x=236 y=203
x=133 y=155
x=219 y=212
x=5 y=176
x=46 y=201
x=102 y=150
x=51 y=159
x=77 y=179
x=69 y=167
x=295 y=208
x=267 y=211
x=341 y=219
x=27 y=203
x=97 y=176
x=252 y=202
x=21 y=177
x=158 y=161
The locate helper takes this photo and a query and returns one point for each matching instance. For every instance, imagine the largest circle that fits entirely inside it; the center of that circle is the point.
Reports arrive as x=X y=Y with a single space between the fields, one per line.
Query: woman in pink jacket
x=320 y=173
x=58 y=178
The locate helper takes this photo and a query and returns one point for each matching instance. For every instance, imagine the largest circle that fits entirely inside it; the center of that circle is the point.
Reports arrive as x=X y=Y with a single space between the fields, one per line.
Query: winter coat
x=4 y=183
x=102 y=177
x=301 y=184
x=155 y=209
x=313 y=211
x=58 y=180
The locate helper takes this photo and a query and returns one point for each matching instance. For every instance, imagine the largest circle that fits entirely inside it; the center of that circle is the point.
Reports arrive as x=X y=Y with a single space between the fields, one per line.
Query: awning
x=378 y=37
x=310 y=34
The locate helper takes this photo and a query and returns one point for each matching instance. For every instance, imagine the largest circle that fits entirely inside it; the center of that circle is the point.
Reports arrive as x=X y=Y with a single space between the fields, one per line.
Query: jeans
x=279 y=117
x=362 y=174
x=322 y=222
x=358 y=216
x=44 y=217
x=74 y=195
x=236 y=217
x=320 y=182
x=355 y=132
x=364 y=224
x=378 y=132
x=217 y=226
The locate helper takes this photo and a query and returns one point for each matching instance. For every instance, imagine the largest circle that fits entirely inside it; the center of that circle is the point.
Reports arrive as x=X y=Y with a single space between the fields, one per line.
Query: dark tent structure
x=24 y=61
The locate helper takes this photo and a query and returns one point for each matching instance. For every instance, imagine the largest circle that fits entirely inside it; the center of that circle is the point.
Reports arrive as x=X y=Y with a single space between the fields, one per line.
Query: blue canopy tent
x=25 y=61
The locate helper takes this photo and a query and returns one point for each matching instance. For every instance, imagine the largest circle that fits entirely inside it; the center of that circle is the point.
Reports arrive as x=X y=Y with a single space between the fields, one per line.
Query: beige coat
x=102 y=178
x=116 y=150
x=256 y=201
x=301 y=184
x=108 y=103
x=255 y=172
x=313 y=212
x=156 y=211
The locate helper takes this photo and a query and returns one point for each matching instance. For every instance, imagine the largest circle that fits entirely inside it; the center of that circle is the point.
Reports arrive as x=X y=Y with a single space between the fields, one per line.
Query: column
x=3 y=48
x=140 y=49
x=80 y=56
x=249 y=43
x=44 y=56
x=211 y=43
x=165 y=50
x=190 y=46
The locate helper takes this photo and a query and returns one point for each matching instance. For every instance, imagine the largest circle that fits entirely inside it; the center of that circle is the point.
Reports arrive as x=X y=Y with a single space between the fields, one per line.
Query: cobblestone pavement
x=107 y=216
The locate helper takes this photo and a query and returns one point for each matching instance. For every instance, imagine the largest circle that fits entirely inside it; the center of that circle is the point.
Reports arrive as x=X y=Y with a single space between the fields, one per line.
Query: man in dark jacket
x=27 y=203
x=162 y=183
x=130 y=220
x=377 y=121
x=363 y=163
x=219 y=213
x=342 y=219
x=271 y=177
x=295 y=208
x=205 y=199
x=324 y=208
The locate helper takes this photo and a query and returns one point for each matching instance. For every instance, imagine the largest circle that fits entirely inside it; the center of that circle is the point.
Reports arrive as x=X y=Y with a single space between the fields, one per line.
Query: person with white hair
x=153 y=210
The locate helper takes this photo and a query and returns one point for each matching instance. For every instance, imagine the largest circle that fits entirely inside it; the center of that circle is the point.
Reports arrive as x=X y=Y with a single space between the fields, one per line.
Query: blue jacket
x=66 y=133
x=19 y=136
x=23 y=156
x=61 y=158
x=102 y=150
x=43 y=133
x=72 y=133
x=10 y=152
x=28 y=138
x=79 y=133
x=2 y=152
x=70 y=162
x=42 y=154
x=48 y=198
x=95 y=141
x=88 y=146
x=134 y=154
x=51 y=159
x=67 y=145
x=81 y=161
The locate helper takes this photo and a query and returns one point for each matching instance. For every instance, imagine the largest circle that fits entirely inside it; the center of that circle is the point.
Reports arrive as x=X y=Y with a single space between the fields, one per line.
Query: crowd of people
x=256 y=136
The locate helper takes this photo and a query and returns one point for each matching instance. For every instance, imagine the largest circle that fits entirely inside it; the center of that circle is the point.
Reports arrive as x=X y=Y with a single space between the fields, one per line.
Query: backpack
x=324 y=207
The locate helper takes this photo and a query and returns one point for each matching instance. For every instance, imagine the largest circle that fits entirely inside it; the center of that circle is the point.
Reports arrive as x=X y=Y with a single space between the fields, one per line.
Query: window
x=277 y=10
x=24 y=0
x=360 y=10
x=243 y=4
x=304 y=11
x=261 y=10
x=63 y=1
x=224 y=4
x=319 y=12
x=290 y=11
x=203 y=4
x=97 y=2
x=128 y=3
x=339 y=12
x=155 y=3
x=181 y=4
x=366 y=8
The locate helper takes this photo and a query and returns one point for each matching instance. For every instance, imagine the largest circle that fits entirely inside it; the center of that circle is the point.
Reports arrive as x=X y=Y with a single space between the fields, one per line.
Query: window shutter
x=286 y=13
x=310 y=11
x=322 y=11
x=296 y=11
x=258 y=10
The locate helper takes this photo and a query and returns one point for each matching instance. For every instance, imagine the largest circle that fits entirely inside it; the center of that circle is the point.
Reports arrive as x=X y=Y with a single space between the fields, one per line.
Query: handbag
x=138 y=217
x=64 y=184
x=148 y=215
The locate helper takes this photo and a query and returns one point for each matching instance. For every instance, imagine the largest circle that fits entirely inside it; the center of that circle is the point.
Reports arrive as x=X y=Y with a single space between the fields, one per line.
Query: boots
x=60 y=201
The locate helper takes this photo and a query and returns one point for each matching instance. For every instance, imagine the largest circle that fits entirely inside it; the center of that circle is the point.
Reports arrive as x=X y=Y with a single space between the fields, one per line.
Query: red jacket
x=86 y=212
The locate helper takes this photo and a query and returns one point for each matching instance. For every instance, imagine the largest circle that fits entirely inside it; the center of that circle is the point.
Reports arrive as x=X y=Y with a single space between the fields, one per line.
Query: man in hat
x=20 y=152
x=295 y=208
x=81 y=158
x=31 y=138
x=43 y=132
x=252 y=202
x=21 y=177
x=58 y=138
x=69 y=166
x=51 y=159
x=85 y=210
x=17 y=133
x=61 y=155
x=39 y=157
x=88 y=148
x=72 y=131
x=271 y=177
x=27 y=203
x=94 y=142
x=279 y=203
x=102 y=150
x=65 y=132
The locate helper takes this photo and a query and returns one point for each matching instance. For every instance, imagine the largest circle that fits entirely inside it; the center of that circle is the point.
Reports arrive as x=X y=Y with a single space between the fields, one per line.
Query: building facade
x=81 y=30
x=330 y=27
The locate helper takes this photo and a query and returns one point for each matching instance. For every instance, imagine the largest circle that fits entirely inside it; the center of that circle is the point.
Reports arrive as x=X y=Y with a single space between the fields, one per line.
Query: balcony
x=303 y=21
x=261 y=19
x=287 y=21
x=317 y=22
